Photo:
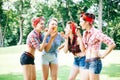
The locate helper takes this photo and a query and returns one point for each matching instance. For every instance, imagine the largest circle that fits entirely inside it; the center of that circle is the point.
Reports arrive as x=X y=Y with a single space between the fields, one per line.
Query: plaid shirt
x=34 y=39
x=93 y=38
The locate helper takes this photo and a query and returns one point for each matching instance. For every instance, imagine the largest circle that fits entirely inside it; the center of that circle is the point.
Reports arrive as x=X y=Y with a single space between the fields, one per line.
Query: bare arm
x=107 y=40
x=65 y=49
x=61 y=46
x=110 y=48
x=79 y=40
x=42 y=45
x=49 y=44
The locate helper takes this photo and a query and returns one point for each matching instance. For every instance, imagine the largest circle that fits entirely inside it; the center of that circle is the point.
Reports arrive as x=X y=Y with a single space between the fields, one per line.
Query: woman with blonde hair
x=49 y=55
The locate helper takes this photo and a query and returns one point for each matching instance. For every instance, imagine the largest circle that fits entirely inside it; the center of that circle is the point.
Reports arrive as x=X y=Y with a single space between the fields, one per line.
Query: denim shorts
x=79 y=61
x=94 y=66
x=49 y=59
x=27 y=58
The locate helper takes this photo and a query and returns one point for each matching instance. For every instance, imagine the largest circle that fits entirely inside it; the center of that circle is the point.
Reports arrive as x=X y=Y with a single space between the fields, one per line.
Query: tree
x=1 y=36
x=21 y=21
x=111 y=12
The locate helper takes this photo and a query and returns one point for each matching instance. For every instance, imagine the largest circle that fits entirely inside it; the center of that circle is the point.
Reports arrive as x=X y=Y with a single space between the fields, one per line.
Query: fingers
x=78 y=33
x=53 y=34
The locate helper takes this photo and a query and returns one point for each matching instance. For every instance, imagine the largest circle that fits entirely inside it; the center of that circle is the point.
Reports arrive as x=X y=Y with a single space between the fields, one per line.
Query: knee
x=71 y=78
x=54 y=77
x=44 y=77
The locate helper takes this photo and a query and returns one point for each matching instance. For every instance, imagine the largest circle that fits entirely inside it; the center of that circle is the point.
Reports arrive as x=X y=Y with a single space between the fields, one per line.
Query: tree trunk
x=100 y=16
x=1 y=37
x=21 y=24
x=21 y=32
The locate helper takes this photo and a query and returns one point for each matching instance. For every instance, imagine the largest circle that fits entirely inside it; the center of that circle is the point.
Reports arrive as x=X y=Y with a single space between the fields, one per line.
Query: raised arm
x=108 y=41
x=65 y=49
x=43 y=44
x=80 y=42
x=49 y=44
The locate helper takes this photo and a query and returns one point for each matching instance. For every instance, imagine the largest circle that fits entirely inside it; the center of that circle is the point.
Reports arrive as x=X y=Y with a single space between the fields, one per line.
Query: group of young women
x=85 y=48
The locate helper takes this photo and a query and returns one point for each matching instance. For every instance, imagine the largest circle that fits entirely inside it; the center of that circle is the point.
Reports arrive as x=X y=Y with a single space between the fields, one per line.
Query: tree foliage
x=20 y=13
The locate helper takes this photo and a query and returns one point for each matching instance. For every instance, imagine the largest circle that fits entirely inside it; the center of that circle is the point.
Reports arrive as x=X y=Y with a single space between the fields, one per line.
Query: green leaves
x=63 y=10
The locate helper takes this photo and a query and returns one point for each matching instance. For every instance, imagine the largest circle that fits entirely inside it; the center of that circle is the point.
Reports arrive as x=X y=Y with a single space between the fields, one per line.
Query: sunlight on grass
x=12 y=49
x=10 y=68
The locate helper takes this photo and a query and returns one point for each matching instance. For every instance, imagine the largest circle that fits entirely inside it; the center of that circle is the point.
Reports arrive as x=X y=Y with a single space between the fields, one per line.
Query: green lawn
x=10 y=68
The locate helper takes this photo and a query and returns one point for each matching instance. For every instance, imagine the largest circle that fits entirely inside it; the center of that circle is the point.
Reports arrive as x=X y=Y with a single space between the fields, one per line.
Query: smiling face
x=67 y=29
x=40 y=26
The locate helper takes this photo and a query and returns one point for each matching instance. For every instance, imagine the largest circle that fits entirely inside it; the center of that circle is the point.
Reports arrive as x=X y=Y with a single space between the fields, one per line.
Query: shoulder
x=96 y=30
x=32 y=34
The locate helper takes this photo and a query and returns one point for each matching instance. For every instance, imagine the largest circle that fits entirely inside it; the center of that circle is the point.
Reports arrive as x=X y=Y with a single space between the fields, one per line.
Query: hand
x=78 y=33
x=65 y=36
x=47 y=33
x=53 y=34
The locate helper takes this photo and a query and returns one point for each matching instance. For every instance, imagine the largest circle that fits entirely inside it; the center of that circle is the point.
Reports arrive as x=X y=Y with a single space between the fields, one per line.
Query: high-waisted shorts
x=49 y=58
x=27 y=58
x=94 y=65
x=79 y=61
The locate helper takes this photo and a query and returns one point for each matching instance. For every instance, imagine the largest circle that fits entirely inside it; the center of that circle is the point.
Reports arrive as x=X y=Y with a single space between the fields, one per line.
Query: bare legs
x=53 y=71
x=93 y=76
x=29 y=72
x=88 y=75
x=73 y=73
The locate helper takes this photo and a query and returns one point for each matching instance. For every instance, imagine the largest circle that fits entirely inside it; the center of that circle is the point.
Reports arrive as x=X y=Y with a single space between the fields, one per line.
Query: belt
x=92 y=59
x=29 y=54
x=78 y=56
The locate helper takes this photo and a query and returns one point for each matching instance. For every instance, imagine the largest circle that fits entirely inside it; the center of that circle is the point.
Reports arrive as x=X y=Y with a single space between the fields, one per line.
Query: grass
x=63 y=73
x=10 y=68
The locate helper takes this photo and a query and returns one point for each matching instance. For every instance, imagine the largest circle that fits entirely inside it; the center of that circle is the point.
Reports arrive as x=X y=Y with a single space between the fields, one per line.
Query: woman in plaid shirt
x=34 y=41
x=92 y=39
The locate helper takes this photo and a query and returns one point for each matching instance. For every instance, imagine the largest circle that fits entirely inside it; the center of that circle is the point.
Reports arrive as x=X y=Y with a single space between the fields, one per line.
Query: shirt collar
x=90 y=31
x=36 y=32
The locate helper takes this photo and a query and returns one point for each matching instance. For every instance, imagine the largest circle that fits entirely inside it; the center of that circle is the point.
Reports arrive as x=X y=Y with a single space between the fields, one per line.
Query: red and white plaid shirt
x=34 y=39
x=93 y=38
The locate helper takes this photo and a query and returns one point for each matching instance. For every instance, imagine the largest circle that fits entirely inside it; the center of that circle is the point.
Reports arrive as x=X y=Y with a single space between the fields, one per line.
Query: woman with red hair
x=73 y=43
x=34 y=39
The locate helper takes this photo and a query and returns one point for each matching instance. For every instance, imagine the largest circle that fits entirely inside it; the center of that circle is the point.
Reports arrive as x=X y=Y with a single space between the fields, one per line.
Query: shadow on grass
x=113 y=70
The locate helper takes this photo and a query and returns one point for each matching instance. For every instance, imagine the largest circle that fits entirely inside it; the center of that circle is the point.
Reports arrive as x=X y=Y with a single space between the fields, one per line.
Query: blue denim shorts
x=79 y=61
x=49 y=59
x=94 y=66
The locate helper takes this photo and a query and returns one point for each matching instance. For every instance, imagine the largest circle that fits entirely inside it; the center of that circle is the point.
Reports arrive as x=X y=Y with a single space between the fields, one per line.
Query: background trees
x=16 y=15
